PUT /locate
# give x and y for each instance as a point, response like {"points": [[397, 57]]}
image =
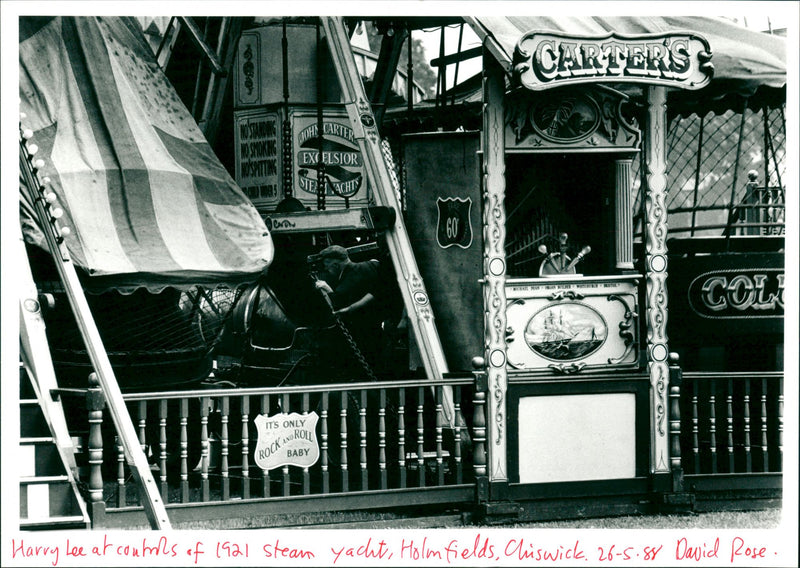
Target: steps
{"points": [[48, 493]]}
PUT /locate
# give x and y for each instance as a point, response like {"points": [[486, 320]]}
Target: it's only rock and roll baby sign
{"points": [[286, 439]]}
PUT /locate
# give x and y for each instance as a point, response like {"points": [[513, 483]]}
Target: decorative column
{"points": [[656, 274], [494, 263], [623, 216], [95, 402]]}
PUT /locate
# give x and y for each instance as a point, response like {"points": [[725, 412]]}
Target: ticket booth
{"points": [[576, 353], [573, 313]]}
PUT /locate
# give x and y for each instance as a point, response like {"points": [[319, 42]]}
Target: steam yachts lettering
{"points": [[738, 293], [343, 162], [547, 60]]}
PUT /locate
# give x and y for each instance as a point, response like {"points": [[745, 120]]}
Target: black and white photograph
{"points": [[400, 283]]}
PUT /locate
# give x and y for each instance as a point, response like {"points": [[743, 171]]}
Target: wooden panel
{"points": [[572, 324], [520, 451], [579, 489], [577, 437]]}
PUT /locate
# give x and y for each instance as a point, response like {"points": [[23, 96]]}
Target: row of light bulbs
{"points": [[45, 192]]}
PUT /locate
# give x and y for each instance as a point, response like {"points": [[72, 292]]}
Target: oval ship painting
{"points": [[566, 332]]}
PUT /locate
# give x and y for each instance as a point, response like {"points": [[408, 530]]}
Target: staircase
{"points": [[48, 491]]}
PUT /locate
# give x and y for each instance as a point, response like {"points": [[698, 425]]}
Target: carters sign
{"points": [[676, 59]]}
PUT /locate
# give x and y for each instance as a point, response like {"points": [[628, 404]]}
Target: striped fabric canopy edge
{"points": [[147, 201]]}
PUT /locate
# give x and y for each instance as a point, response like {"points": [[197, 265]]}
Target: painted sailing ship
{"points": [[562, 339]]}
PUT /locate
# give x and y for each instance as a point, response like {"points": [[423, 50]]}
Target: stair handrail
{"points": [[40, 369]]}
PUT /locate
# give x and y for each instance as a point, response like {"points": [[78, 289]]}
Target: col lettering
{"points": [[738, 294]]}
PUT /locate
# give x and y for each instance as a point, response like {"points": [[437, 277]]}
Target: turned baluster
{"points": [[343, 438], [457, 435], [95, 402], [162, 444], [712, 425], [382, 439], [675, 380], [362, 423], [184, 440], [326, 487], [142, 432], [764, 443], [245, 447], [143, 426], [285, 408], [421, 436], [206, 448], [306, 475], [748, 456], [780, 425], [695, 428], [479, 437], [479, 427], [401, 435], [225, 407], [265, 479], [439, 440], [729, 424], [122, 497]]}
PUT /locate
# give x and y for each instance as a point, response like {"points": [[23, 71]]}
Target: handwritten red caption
{"points": [[171, 550], [395, 548], [524, 550]]}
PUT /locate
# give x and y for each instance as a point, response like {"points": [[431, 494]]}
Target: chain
{"points": [[361, 360], [348, 336], [354, 348]]}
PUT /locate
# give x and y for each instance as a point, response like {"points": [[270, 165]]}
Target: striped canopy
{"points": [[147, 201]]}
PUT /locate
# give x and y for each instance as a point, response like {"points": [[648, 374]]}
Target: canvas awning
{"points": [[147, 201], [747, 64]]}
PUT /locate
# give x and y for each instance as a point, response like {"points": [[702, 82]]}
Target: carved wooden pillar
{"points": [[95, 402], [494, 263], [623, 215], [656, 273], [676, 466], [479, 454]]}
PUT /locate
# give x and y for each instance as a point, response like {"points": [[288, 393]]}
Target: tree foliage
{"points": [[424, 75]]}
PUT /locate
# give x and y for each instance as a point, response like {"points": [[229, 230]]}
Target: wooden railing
{"points": [[731, 422], [372, 436], [389, 442]]}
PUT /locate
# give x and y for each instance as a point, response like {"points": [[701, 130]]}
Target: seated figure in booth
{"points": [[354, 290]]}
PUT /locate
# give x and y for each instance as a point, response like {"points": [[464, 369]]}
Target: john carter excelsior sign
{"points": [[677, 59]]}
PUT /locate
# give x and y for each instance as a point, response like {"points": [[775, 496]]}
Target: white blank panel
{"points": [[38, 501], [577, 437]]}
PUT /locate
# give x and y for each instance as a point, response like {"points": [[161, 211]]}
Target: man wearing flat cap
{"points": [[354, 291]]}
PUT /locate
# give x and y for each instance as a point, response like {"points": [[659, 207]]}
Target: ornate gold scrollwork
{"points": [[626, 329], [567, 369]]}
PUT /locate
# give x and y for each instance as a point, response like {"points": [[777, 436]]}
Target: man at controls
{"points": [[354, 292]]}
